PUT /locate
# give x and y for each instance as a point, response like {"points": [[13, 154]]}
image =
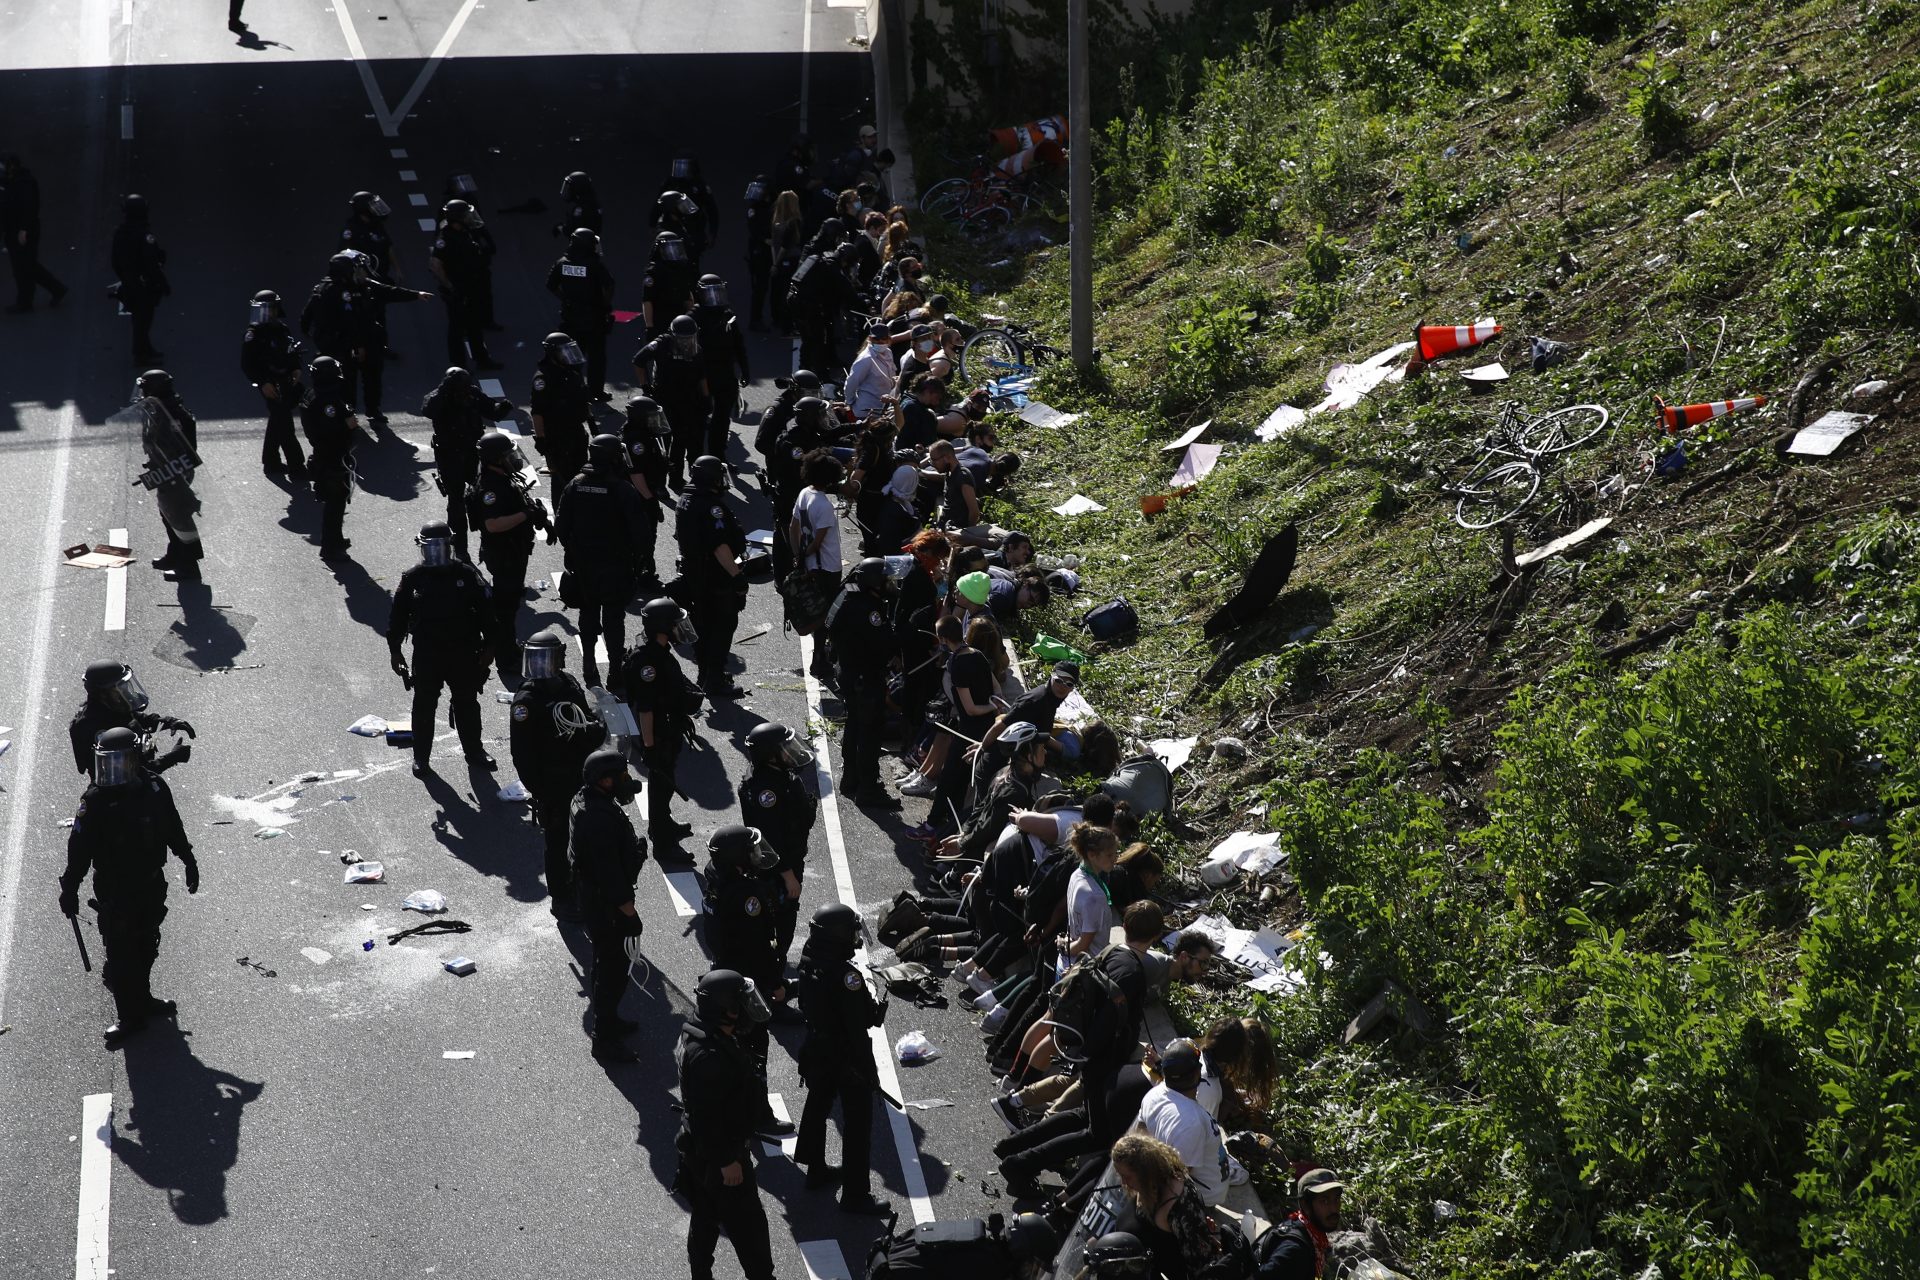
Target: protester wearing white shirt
{"points": [[1171, 1113], [815, 527], [871, 377]]}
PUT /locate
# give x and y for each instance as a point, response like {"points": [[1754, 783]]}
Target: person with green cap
{"points": [[976, 588]]}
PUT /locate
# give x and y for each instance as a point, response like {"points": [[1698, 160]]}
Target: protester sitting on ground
{"points": [[1296, 1249], [969, 687], [922, 416], [1012, 592], [1013, 787], [1037, 707], [933, 930], [1174, 1220], [1171, 1113], [898, 307], [984, 635]]}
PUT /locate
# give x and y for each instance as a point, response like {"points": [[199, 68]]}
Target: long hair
{"points": [[1156, 1165]]}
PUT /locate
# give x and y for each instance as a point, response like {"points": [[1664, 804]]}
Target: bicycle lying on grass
{"points": [[1004, 349], [1507, 476]]}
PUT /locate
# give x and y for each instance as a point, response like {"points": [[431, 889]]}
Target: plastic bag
{"points": [[365, 873], [425, 901], [368, 727], [515, 790], [914, 1047], [1050, 649]]}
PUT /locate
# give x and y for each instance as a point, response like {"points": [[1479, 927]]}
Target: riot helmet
{"points": [[669, 247], [265, 306], [838, 921], [369, 205], [343, 266], [846, 255], [661, 616], [713, 291], [685, 168], [777, 745], [870, 575], [813, 412], [456, 212], [686, 336], [1119, 1255], [154, 382], [610, 762], [805, 379], [738, 848], [325, 369], [110, 683], [497, 449], [607, 453], [708, 472], [116, 758], [563, 348], [645, 416], [544, 655], [577, 186], [723, 996], [1031, 1238], [584, 244], [456, 378], [759, 191], [134, 206], [435, 543]]}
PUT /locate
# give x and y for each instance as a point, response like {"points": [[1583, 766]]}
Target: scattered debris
{"points": [[268, 833], [1827, 433], [316, 955], [101, 556], [931, 1104], [459, 966], [1279, 422], [1198, 462], [257, 967], [425, 901], [1254, 853], [1678, 417], [1077, 505], [1231, 750], [515, 790], [1393, 1002], [1867, 389], [1269, 574], [1173, 752], [1546, 353], [1563, 543], [1187, 437], [365, 873], [368, 727], [457, 1054], [913, 1048]]}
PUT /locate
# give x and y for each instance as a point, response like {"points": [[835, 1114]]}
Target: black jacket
{"points": [[606, 854], [840, 1008], [122, 834], [444, 608], [721, 1096], [784, 808], [547, 756]]}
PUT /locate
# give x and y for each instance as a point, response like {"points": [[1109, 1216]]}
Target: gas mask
{"points": [[762, 858], [626, 789]]}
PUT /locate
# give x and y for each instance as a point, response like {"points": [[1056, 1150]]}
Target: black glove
{"points": [[179, 755], [399, 665], [177, 725], [193, 872], [69, 901]]}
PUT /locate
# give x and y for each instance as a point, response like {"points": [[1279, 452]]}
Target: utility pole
{"points": [[1080, 183]]}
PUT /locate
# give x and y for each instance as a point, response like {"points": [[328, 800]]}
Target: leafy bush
{"points": [[1211, 345], [1655, 103]]}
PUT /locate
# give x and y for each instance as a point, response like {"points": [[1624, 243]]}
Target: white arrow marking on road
{"points": [[96, 1187], [882, 1047], [824, 1260], [390, 119], [433, 62], [117, 587]]}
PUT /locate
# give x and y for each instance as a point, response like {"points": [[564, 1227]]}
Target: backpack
{"points": [[1088, 1008], [965, 1249], [1115, 620], [913, 981], [1271, 1239], [1047, 886]]}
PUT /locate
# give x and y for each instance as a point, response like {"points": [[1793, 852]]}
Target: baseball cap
{"points": [[879, 329], [1180, 1065], [1316, 1182], [1067, 671]]}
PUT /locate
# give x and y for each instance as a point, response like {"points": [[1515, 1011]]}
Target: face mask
{"points": [[926, 348]]}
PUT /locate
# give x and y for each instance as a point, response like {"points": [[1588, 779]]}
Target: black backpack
{"points": [[1047, 887], [1088, 1008], [801, 286]]}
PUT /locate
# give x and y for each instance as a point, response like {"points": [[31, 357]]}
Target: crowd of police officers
{"points": [[609, 494]]}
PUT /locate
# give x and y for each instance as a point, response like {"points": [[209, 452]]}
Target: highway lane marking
{"points": [[806, 61], [824, 1260], [784, 1147], [126, 122], [126, 13], [428, 224], [375, 98], [433, 62], [96, 21], [35, 729], [408, 175], [117, 587], [684, 888], [96, 1187], [398, 153], [416, 199], [882, 1047]]}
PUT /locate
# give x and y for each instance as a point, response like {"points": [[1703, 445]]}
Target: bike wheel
{"points": [[1488, 497], [1561, 430], [990, 354], [987, 220], [944, 198]]}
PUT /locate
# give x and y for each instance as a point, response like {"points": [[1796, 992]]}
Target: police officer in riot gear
{"points": [[442, 603], [580, 205], [686, 204], [460, 413], [141, 264], [159, 384], [837, 1060], [776, 801], [551, 731], [604, 531], [122, 832], [270, 360], [647, 437], [671, 370], [346, 318], [742, 895], [459, 260], [502, 507], [328, 421], [863, 645], [723, 352], [668, 288], [168, 444], [606, 856], [663, 702], [366, 231], [583, 284], [779, 415], [721, 1096], [711, 543], [759, 199], [560, 406], [116, 700]]}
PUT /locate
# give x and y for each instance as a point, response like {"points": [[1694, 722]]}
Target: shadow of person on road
{"points": [[391, 468], [203, 637], [368, 603], [183, 1125], [661, 1009], [493, 837]]}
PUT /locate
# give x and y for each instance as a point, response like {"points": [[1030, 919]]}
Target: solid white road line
{"points": [[428, 224], [96, 32], [375, 98], [96, 1188], [117, 587], [684, 888], [126, 122], [408, 175], [126, 13], [784, 1147], [34, 728], [824, 1260], [416, 199], [910, 1169], [806, 62], [433, 61]]}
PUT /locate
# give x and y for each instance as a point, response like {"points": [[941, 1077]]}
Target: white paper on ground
{"points": [[1254, 852], [1199, 461], [368, 727], [458, 1053], [1173, 752], [1187, 437], [1279, 422], [1828, 432], [1078, 504], [1348, 384], [1495, 372]]}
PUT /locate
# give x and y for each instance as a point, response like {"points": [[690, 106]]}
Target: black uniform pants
{"points": [[607, 981], [715, 614], [726, 402], [817, 352], [788, 913], [759, 273], [142, 309], [457, 468], [865, 697], [606, 616], [369, 373], [855, 1095], [131, 937], [466, 326], [714, 1208], [553, 806], [28, 274], [281, 445], [507, 565], [332, 492], [178, 507], [663, 762], [566, 457], [688, 440], [461, 675], [594, 346], [1112, 1095]]}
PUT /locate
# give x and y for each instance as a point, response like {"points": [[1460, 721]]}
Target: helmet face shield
{"points": [[757, 1011], [571, 355], [127, 693], [259, 312], [113, 766], [686, 346], [762, 857], [682, 167], [541, 661], [434, 552], [379, 208], [683, 632], [794, 754], [673, 250], [757, 193], [713, 295]]}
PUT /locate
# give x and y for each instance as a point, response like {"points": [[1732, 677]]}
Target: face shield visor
{"points": [[757, 193], [756, 1005], [126, 694], [434, 552], [673, 251], [713, 295], [260, 312], [379, 208], [540, 661], [571, 355], [761, 857], [683, 632], [682, 168], [114, 766], [687, 206]]}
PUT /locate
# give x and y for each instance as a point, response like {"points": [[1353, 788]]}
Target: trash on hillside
{"points": [[1039, 414], [1673, 462], [1866, 389], [1198, 462], [515, 790], [1678, 417], [913, 1048], [100, 556], [1078, 504], [1260, 950], [1279, 422], [1114, 620], [1230, 749], [1187, 437], [1484, 377], [1173, 752], [1075, 711], [460, 966], [1052, 649], [1546, 353], [368, 727], [365, 873], [1349, 384], [1153, 504], [1819, 438], [1253, 853], [1264, 581], [1562, 543], [425, 901], [1393, 1002]]}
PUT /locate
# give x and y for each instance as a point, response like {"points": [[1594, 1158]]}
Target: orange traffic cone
{"points": [[1678, 417], [1438, 340], [1031, 134]]}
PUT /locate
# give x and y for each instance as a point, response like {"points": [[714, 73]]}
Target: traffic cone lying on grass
{"points": [[1678, 417], [1437, 340]]}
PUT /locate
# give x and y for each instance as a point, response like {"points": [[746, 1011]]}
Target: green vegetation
{"points": [[1639, 826]]}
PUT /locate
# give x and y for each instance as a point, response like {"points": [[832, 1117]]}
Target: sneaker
{"points": [[986, 1001], [995, 1020], [918, 784], [1011, 1113], [913, 944], [982, 985], [924, 831], [965, 970]]}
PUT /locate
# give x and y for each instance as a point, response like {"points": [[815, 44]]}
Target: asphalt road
{"points": [[302, 1120]]}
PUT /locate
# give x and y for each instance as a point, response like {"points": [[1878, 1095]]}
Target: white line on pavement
{"points": [[96, 1188], [684, 888], [824, 1260], [784, 1147], [433, 61], [409, 175], [806, 61], [117, 586], [126, 13], [375, 98], [428, 224], [882, 1047], [96, 22], [416, 199], [126, 122], [34, 728], [398, 153]]}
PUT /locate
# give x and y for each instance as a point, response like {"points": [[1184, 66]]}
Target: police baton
{"points": [[80, 940]]}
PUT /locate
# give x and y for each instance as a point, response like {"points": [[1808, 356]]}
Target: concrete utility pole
{"points": [[1080, 183]]}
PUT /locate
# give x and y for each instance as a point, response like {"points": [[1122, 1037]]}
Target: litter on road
{"points": [[515, 790], [914, 1047], [365, 873], [460, 1054], [368, 727], [425, 901], [459, 966]]}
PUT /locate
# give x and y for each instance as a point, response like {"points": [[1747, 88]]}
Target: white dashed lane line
{"points": [[116, 616]]}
